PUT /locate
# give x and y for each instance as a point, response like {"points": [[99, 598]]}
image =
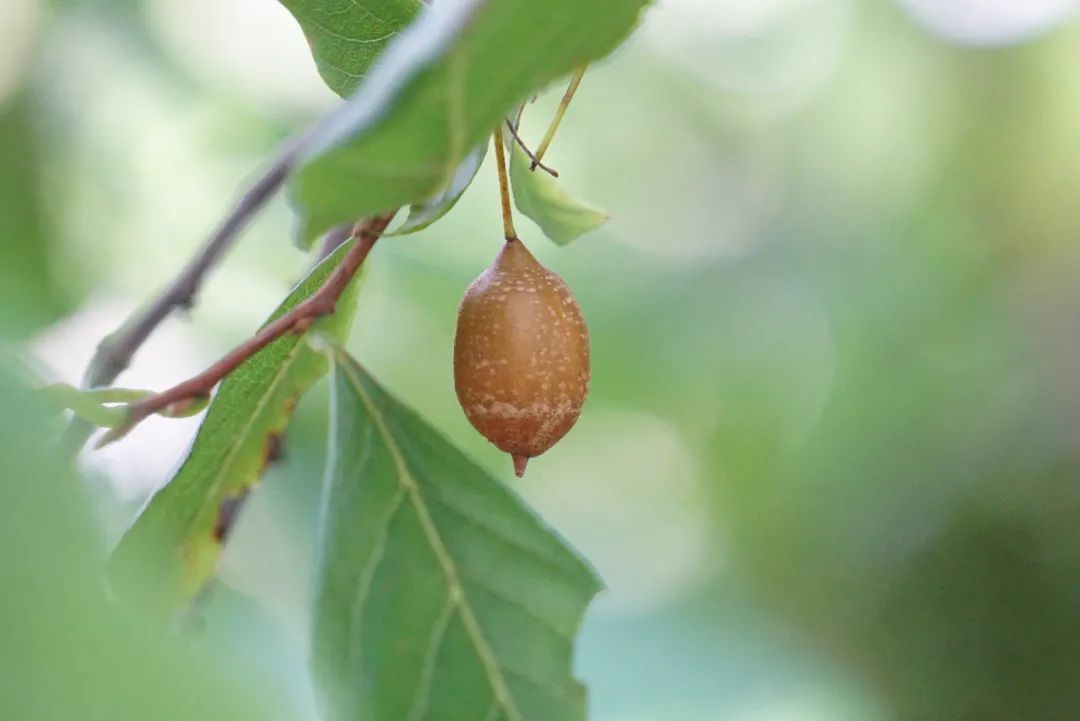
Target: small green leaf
{"points": [[173, 547], [92, 405], [436, 92], [101, 406], [68, 651], [421, 215], [440, 595], [538, 196]]}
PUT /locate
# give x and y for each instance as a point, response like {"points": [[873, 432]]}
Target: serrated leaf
{"points": [[346, 36], [421, 215], [173, 547], [538, 196], [440, 595], [437, 91]]}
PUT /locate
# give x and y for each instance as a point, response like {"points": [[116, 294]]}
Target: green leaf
{"points": [[437, 91], [538, 196], [90, 405], [101, 406], [440, 595], [174, 545], [30, 295], [67, 650], [421, 215], [346, 36]]}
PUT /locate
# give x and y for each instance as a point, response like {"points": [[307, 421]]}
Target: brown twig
{"points": [[432, 33], [298, 320], [115, 352], [535, 161]]}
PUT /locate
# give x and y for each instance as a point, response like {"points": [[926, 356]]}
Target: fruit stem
{"points": [[575, 80], [504, 186]]}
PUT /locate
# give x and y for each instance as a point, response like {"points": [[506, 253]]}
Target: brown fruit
{"points": [[521, 355]]}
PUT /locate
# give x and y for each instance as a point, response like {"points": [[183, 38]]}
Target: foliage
{"points": [[446, 105], [174, 546], [423, 214], [440, 595], [538, 196], [828, 467], [69, 651]]}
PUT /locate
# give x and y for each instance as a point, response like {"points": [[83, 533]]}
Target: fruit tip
{"points": [[519, 464]]}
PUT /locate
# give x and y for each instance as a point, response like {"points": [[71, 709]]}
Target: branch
{"points": [[115, 352], [298, 320], [420, 45], [333, 240]]}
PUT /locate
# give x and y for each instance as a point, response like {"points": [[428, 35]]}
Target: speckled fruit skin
{"points": [[521, 355]]}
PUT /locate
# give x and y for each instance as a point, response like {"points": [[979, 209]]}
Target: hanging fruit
{"points": [[521, 355]]}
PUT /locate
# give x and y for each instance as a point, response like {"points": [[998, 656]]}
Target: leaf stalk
{"points": [[575, 81]]}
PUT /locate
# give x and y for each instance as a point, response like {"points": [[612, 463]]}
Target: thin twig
{"points": [[575, 80], [535, 161], [115, 352], [298, 320], [504, 186], [428, 38]]}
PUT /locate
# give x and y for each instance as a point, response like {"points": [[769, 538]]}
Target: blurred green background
{"points": [[830, 465]]}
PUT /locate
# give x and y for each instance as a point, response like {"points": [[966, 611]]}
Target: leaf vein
{"points": [[431, 532], [519, 604], [357, 41], [367, 576], [536, 554], [423, 685]]}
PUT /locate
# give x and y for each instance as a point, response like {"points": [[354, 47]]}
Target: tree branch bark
{"points": [[298, 320], [116, 350]]}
